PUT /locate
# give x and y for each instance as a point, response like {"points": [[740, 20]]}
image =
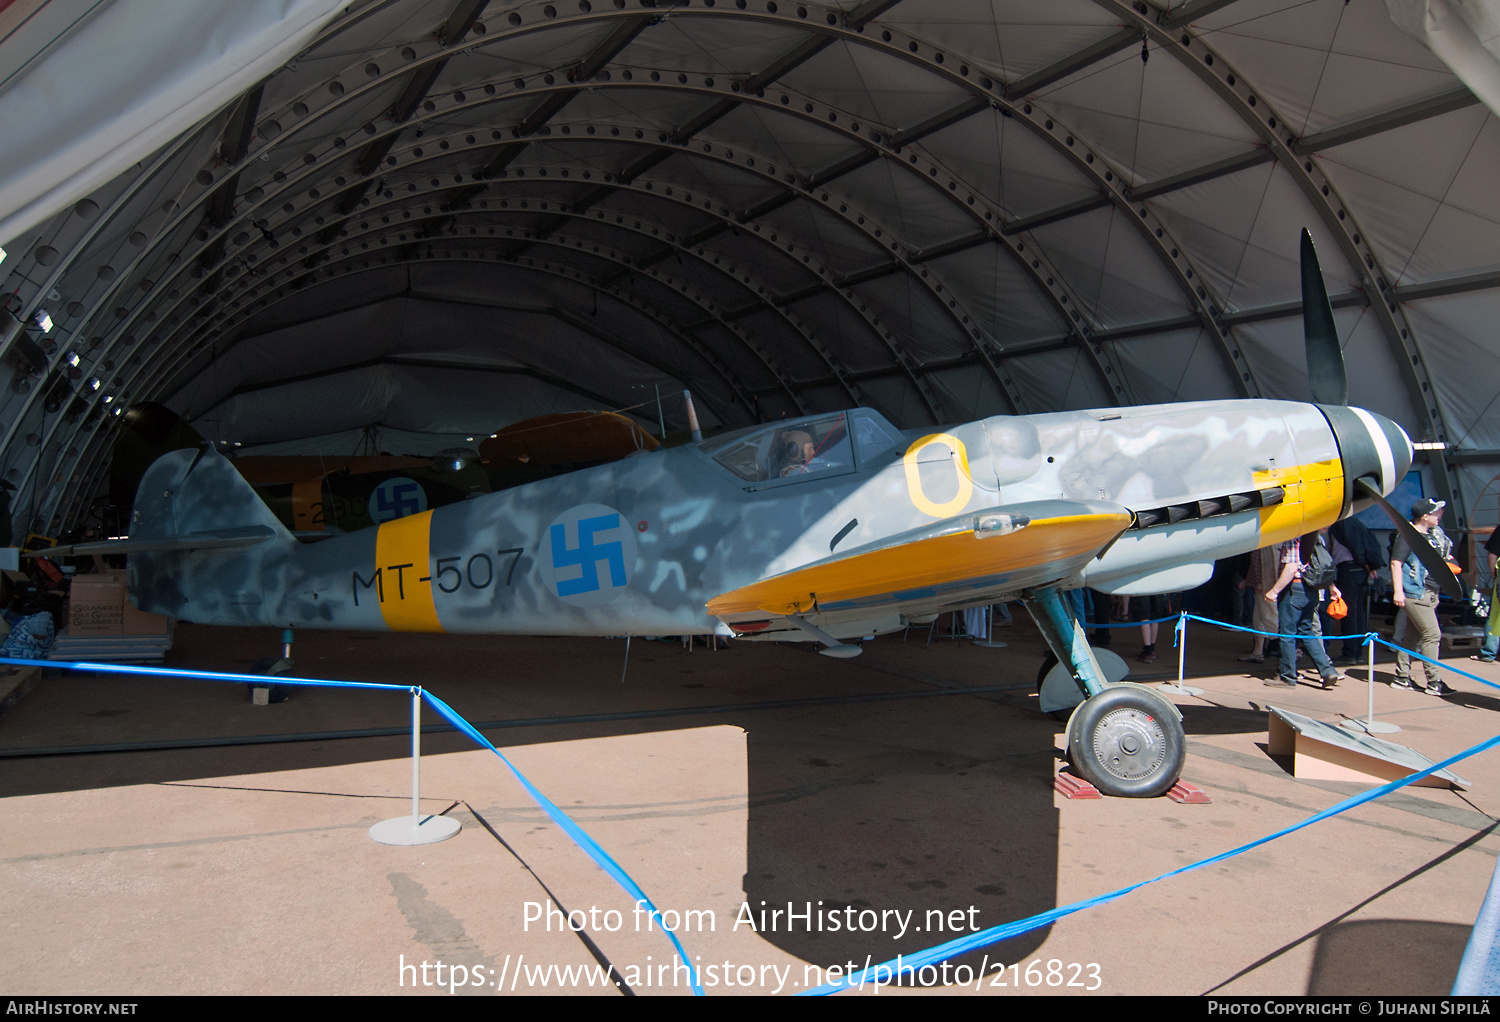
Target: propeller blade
{"points": [[1325, 360], [1435, 565]]}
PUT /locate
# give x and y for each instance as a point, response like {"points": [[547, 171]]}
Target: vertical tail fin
{"points": [[189, 493], [206, 543]]}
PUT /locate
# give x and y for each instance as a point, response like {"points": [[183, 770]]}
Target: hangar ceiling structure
{"points": [[437, 218]]}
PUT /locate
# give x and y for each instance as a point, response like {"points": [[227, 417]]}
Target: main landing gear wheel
{"points": [[1127, 741]]}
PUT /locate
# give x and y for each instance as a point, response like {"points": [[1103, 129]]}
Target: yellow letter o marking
{"points": [[914, 478]]}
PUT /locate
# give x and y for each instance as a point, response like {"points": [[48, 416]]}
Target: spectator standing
{"points": [[1355, 577], [1298, 593], [1259, 577], [1149, 610], [1415, 594], [1491, 644]]}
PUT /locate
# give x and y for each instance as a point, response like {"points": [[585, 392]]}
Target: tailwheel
{"points": [[1127, 741]]}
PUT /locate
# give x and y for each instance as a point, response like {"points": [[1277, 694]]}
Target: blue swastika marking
{"points": [[587, 555], [396, 498]]}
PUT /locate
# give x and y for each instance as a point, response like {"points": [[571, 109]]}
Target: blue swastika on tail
{"points": [[587, 555]]}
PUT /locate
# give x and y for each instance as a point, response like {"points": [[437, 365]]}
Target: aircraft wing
{"points": [[213, 539], [1014, 546]]}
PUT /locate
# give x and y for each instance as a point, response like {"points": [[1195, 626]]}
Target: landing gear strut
{"points": [[1124, 739]]}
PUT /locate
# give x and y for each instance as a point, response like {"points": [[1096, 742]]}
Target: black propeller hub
{"points": [[1370, 446]]}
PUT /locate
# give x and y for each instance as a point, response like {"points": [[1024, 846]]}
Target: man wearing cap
{"points": [[1415, 593]]}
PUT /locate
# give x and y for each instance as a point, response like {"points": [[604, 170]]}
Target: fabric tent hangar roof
{"points": [[407, 224]]}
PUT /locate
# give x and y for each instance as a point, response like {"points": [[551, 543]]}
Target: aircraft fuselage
{"points": [[643, 545]]}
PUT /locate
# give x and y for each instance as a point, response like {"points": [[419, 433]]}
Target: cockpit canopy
{"points": [[797, 449]]}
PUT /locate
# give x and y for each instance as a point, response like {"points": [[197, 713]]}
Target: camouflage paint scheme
{"points": [[546, 558]]}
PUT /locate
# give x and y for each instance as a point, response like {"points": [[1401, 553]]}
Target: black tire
{"points": [[1127, 741]]}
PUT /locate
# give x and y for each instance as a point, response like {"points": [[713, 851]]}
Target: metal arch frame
{"points": [[709, 259], [126, 196], [1048, 283], [569, 273], [902, 357], [293, 267], [186, 342], [872, 229], [1039, 275], [1250, 105], [238, 221], [188, 262], [578, 323], [663, 191], [444, 53], [853, 217], [834, 23], [405, 362]]}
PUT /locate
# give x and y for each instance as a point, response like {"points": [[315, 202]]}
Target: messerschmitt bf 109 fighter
{"points": [[823, 529]]}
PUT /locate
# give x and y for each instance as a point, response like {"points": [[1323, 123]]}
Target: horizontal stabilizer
{"points": [[213, 539]]}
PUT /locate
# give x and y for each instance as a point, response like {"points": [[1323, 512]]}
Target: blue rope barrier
{"points": [[904, 964], [894, 968], [1365, 639], [973, 942], [172, 672], [573, 830]]}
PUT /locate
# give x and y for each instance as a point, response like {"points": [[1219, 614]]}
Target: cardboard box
{"points": [[100, 605], [96, 605]]}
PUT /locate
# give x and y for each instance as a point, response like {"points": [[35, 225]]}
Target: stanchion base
{"points": [[987, 644], [403, 830], [1173, 689], [1370, 727]]}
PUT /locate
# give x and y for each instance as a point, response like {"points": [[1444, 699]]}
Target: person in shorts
{"points": [[1148, 610]]}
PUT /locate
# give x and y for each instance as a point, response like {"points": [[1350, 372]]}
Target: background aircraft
{"points": [[823, 528], [331, 493]]}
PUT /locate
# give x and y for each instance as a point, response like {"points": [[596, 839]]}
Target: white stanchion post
{"points": [[413, 830], [1181, 650], [1179, 688], [1370, 725], [416, 756], [989, 640]]}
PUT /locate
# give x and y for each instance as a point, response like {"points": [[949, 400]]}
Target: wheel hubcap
{"points": [[1129, 744]]}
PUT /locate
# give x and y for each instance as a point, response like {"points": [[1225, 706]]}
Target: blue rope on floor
{"points": [[890, 972], [580, 836]]}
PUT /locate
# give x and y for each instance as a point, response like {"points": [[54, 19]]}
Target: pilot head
{"points": [[795, 448]]}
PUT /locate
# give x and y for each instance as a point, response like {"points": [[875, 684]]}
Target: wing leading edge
{"points": [[1017, 545]]}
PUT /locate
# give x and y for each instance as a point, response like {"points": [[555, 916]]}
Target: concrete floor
{"points": [[755, 774]]}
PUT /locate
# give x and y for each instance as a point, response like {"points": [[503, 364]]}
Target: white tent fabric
{"points": [[1465, 35], [435, 219], [125, 80]]}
